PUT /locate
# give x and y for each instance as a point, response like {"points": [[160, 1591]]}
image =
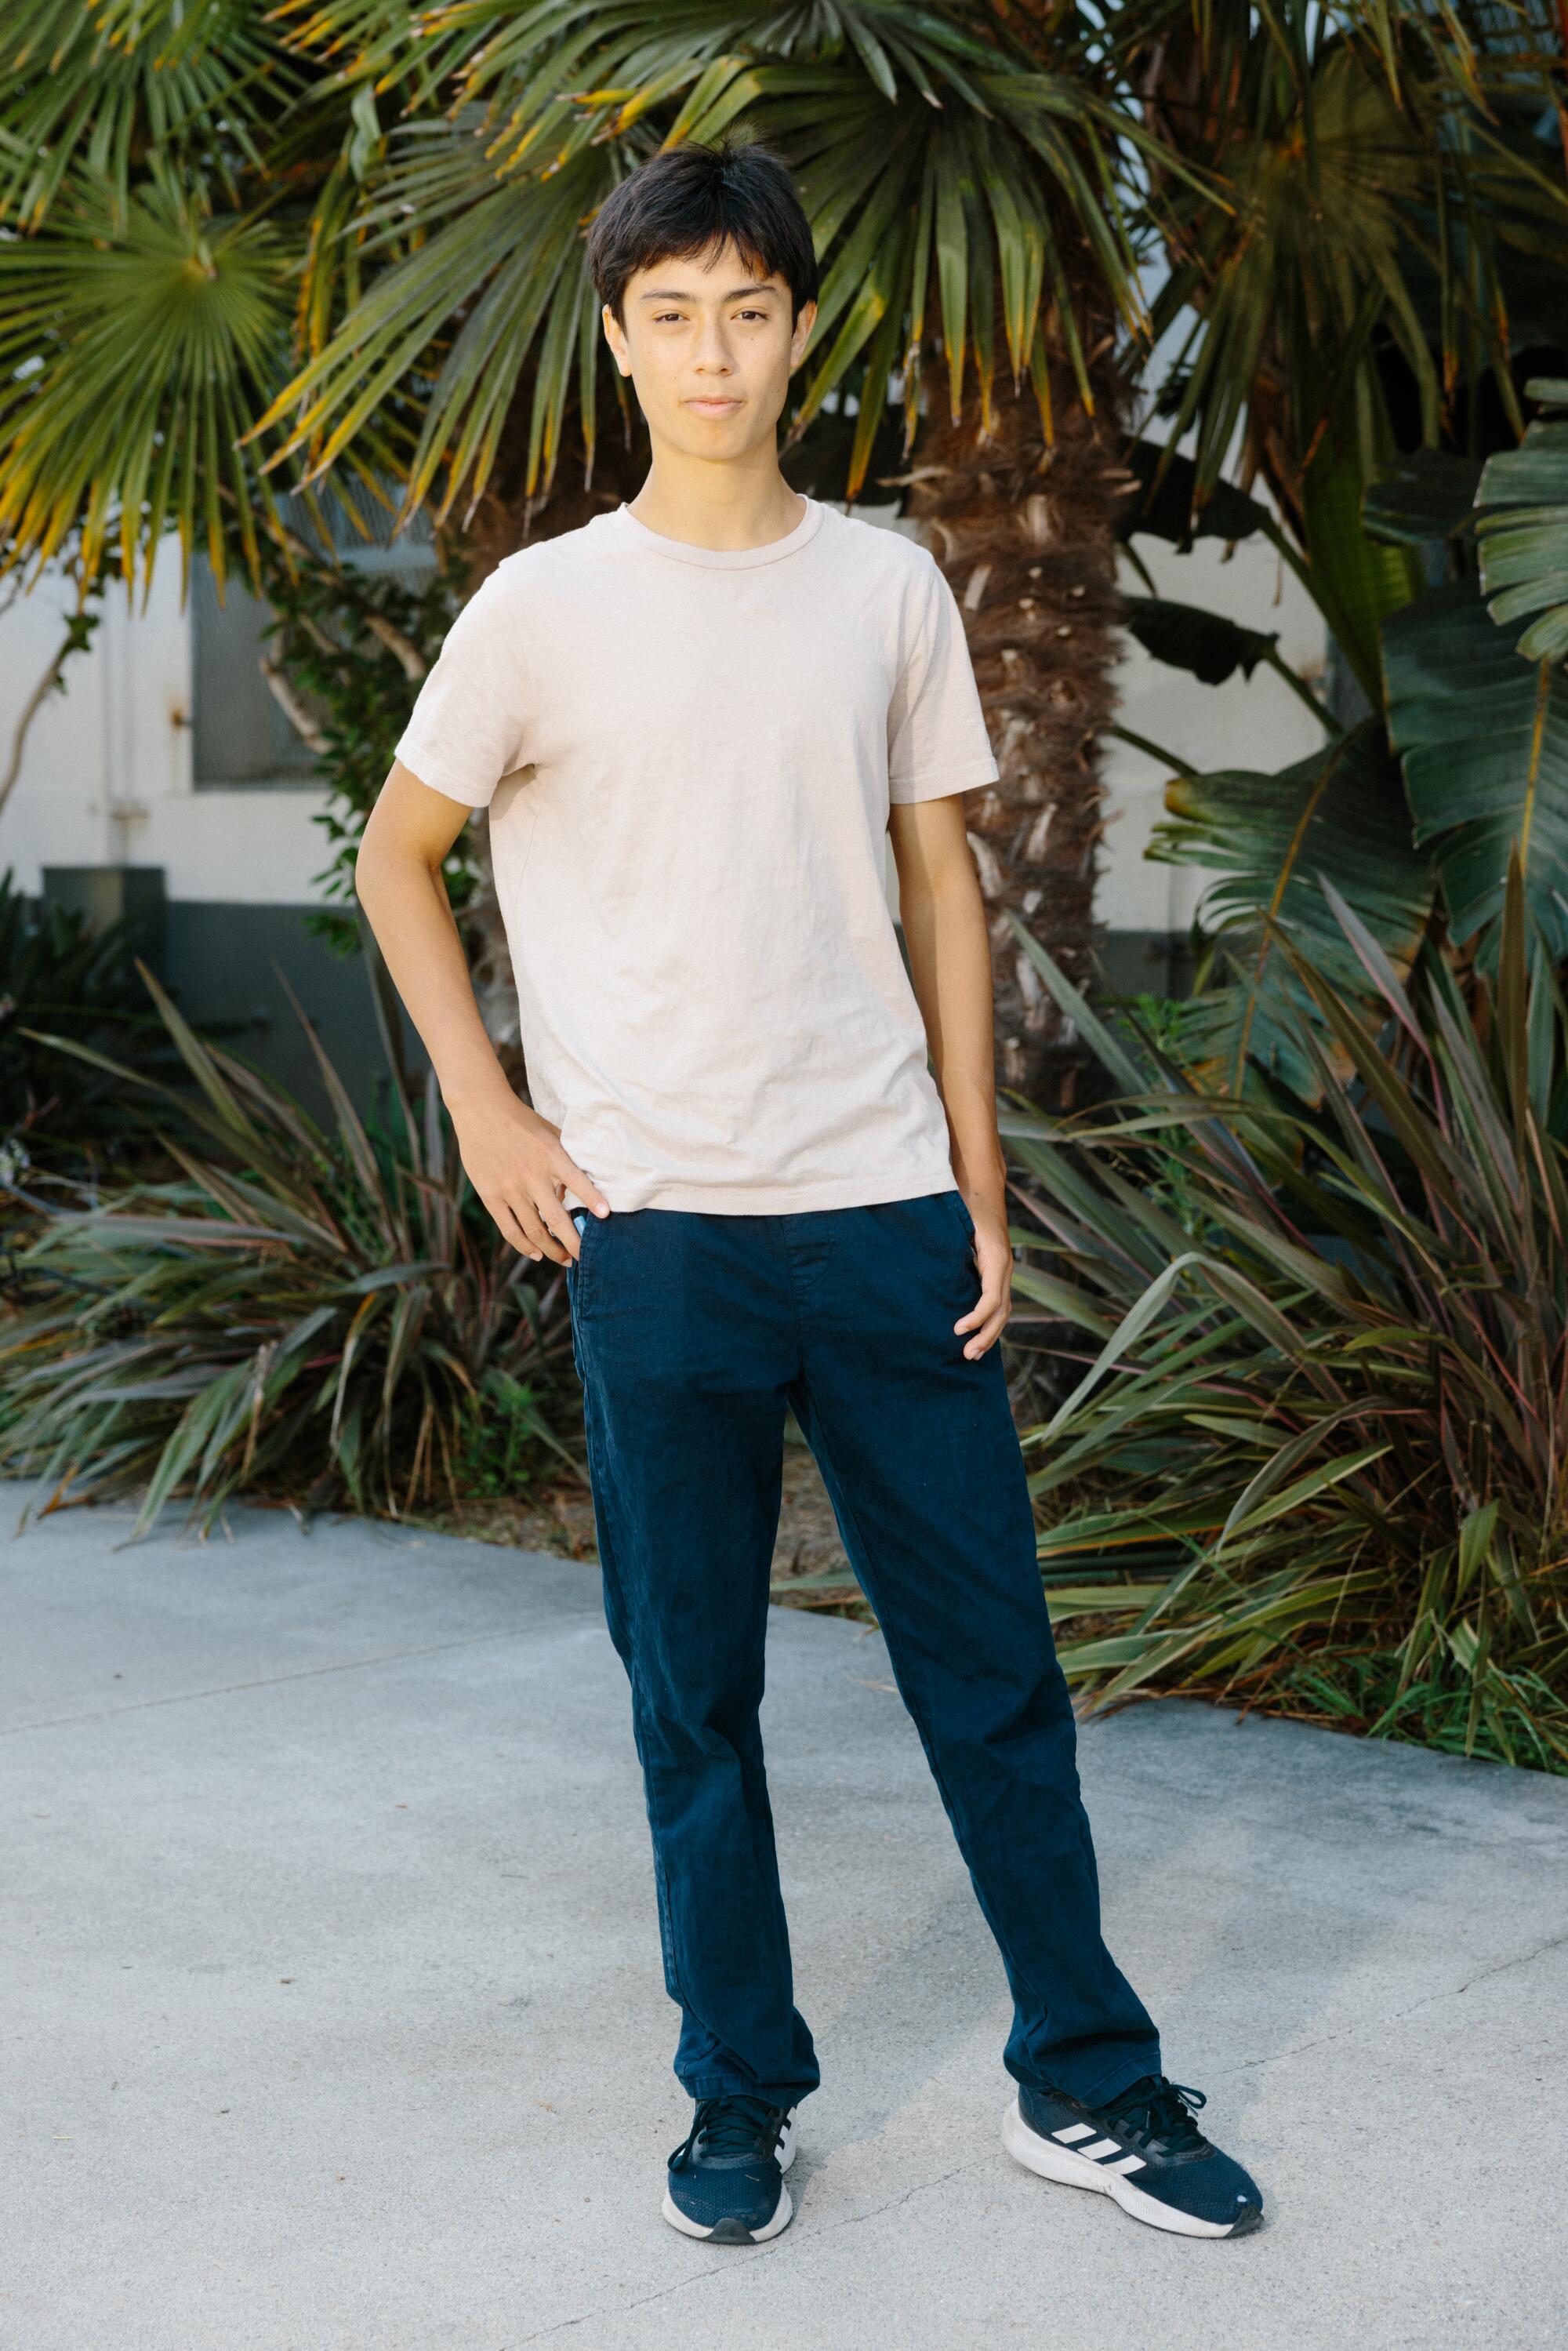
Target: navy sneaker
{"points": [[1143, 2148], [727, 2177]]}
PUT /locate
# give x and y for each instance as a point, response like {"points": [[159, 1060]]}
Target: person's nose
{"points": [[713, 357]]}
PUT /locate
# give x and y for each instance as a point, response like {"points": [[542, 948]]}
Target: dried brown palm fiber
{"points": [[1025, 532]]}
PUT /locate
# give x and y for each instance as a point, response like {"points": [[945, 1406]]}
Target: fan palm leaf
{"points": [[93, 88], [136, 342], [953, 185]]}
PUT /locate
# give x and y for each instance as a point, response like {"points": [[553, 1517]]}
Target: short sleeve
{"points": [[471, 721], [936, 739]]}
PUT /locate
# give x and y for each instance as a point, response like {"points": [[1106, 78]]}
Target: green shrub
{"points": [[508, 1440], [318, 1315], [59, 972], [1323, 1409]]}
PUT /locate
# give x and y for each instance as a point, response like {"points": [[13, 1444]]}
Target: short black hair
{"points": [[691, 199]]}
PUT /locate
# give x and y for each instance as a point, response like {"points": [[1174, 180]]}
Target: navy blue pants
{"points": [[692, 1333]]}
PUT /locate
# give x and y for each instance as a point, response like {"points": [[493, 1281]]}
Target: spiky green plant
{"points": [[309, 1311], [59, 970], [1322, 1415]]}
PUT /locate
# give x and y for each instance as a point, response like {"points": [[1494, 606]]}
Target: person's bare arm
{"points": [[944, 919], [513, 1157]]}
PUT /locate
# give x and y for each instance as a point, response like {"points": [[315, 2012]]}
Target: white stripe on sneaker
{"points": [[1074, 2131], [1101, 2147], [1051, 2160], [1128, 2162]]}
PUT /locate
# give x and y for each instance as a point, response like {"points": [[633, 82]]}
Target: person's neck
{"points": [[725, 508]]}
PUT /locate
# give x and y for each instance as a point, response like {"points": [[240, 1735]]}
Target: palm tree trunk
{"points": [[1024, 531]]}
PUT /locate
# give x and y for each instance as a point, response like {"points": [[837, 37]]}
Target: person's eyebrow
{"points": [[736, 294]]}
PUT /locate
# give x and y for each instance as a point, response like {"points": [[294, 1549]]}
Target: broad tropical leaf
{"points": [[1358, 580], [1163, 499], [1484, 739], [1524, 531], [1426, 497], [1210, 645], [1338, 816]]}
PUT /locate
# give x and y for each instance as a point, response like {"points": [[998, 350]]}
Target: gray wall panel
{"points": [[229, 963]]}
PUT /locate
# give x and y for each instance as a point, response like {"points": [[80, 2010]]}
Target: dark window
{"points": [[240, 735]]}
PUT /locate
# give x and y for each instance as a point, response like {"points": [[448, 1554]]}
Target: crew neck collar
{"points": [[719, 559]]}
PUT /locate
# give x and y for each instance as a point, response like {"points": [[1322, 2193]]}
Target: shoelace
{"points": [[1159, 2108], [733, 2126]]}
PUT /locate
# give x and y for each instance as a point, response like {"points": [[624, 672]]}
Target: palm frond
{"points": [[136, 341], [932, 153], [91, 90]]}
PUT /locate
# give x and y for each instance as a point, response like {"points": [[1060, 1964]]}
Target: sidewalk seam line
{"points": [[267, 1681]]}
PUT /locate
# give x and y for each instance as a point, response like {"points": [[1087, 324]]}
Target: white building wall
{"points": [[106, 774]]}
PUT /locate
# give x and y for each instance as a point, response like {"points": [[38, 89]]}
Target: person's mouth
{"points": [[719, 405]]}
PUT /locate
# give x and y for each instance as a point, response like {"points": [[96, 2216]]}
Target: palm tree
{"points": [[1383, 186], [1359, 327], [422, 199]]}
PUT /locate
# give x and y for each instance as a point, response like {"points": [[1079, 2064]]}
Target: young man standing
{"points": [[693, 723]]}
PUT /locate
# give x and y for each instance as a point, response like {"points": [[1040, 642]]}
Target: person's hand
{"points": [[515, 1164], [994, 1257]]}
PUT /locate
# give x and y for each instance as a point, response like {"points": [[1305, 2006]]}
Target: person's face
{"points": [[710, 347]]}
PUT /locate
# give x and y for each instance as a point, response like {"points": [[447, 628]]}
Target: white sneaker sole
{"points": [[782, 2214], [1049, 2161]]}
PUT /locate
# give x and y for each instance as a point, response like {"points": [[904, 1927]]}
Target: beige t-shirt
{"points": [[687, 756]]}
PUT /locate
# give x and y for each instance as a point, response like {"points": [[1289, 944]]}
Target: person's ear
{"points": [[801, 333], [615, 336]]}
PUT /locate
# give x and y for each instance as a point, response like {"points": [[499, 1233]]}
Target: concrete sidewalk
{"points": [[333, 2015]]}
